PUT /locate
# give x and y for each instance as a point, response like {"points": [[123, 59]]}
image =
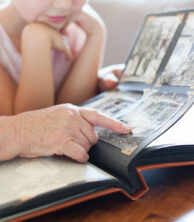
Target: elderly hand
{"points": [[62, 130], [109, 76]]}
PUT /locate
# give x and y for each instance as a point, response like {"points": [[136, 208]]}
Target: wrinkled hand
{"points": [[109, 76], [62, 130]]}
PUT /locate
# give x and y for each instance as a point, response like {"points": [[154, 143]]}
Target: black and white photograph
{"points": [[153, 111], [180, 68], [151, 48], [116, 103]]}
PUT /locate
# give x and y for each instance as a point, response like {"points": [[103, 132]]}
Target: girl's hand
{"points": [[46, 33], [89, 21], [109, 77]]}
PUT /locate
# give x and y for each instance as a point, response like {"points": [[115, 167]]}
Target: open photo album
{"points": [[154, 97]]}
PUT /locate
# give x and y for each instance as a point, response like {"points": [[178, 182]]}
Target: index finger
{"points": [[97, 118], [67, 48]]}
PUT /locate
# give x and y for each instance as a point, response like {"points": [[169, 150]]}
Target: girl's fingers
{"points": [[67, 49], [101, 86], [108, 82], [111, 69], [117, 72], [61, 43], [110, 77]]}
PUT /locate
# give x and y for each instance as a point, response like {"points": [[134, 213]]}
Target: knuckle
{"points": [[67, 111], [60, 111]]}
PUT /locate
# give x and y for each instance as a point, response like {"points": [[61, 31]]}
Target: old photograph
{"points": [[180, 68], [152, 112], [116, 103], [151, 48]]}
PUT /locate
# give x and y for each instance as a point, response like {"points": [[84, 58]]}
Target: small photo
{"points": [[151, 47]]}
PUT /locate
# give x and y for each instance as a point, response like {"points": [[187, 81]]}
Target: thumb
{"points": [[107, 82], [61, 43], [67, 48]]}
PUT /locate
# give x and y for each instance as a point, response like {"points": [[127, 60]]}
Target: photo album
{"points": [[155, 97]]}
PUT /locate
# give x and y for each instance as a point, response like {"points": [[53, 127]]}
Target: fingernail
{"points": [[127, 128]]}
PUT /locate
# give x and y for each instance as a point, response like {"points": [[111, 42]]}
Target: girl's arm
{"points": [[7, 93], [82, 81], [36, 88]]}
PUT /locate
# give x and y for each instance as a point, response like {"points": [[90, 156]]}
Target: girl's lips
{"points": [[56, 19]]}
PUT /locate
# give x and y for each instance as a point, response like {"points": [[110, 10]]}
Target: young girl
{"points": [[50, 53]]}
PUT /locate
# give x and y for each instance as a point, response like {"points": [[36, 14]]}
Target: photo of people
{"points": [[151, 48], [180, 68], [155, 109]]}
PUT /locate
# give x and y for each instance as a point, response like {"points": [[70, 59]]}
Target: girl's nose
{"points": [[62, 3]]}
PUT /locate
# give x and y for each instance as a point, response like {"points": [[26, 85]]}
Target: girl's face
{"points": [[55, 13]]}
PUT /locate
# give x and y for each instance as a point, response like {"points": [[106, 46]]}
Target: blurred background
{"points": [[123, 19], [3, 2]]}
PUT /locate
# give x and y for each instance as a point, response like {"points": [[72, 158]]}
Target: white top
{"points": [[10, 58]]}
